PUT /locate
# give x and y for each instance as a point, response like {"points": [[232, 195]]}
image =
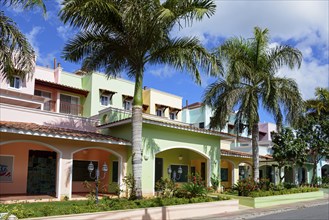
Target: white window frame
{"points": [[173, 113], [20, 81], [109, 100], [130, 104], [161, 110]]}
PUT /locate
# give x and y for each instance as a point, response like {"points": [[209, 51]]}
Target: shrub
{"points": [[246, 186], [282, 192], [131, 186], [195, 187], [264, 184], [288, 185], [215, 182], [166, 187]]}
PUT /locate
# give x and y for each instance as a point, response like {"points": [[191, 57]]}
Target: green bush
{"points": [[195, 187], [246, 186], [283, 192], [166, 187]]}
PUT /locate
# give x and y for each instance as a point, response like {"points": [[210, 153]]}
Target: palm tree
{"points": [[319, 105], [250, 81], [16, 53], [126, 35]]}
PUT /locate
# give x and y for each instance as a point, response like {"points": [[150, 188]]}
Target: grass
{"points": [[41, 209]]}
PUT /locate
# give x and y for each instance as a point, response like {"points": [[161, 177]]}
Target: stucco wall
{"points": [[20, 151]]}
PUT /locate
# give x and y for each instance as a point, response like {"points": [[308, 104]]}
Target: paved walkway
{"points": [[248, 213]]}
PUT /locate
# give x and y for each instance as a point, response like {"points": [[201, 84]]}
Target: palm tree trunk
{"points": [[137, 123], [255, 151]]}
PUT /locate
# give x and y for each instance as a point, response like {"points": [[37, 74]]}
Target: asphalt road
{"points": [[320, 212]]}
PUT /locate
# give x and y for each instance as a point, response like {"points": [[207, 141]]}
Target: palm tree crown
{"points": [[119, 36], [250, 81], [16, 53]]}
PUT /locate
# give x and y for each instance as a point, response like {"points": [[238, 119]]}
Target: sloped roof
{"points": [[62, 87], [241, 154], [56, 132]]}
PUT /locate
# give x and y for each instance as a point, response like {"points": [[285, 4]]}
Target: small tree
{"points": [[288, 150], [315, 133]]}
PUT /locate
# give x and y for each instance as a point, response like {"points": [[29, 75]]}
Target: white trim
{"points": [[59, 164], [120, 165], [51, 135]]}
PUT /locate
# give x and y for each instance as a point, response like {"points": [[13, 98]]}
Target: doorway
{"points": [[41, 177]]}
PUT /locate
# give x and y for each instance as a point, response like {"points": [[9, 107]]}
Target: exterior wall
{"points": [[267, 128], [66, 149], [70, 79], [158, 139], [101, 157], [153, 97], [20, 151], [232, 163], [98, 81], [44, 74], [27, 86], [21, 114]]}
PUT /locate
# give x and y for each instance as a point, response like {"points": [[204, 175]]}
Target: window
{"points": [[179, 178], [15, 82], [69, 105], [48, 104], [127, 105], [105, 100], [115, 171], [80, 170], [201, 125], [172, 115], [224, 174], [159, 112]]}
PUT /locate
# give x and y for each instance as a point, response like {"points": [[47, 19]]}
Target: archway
{"points": [[34, 166], [190, 161], [267, 172], [110, 181], [227, 173]]}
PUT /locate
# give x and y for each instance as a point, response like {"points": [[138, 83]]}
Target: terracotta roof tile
{"points": [[32, 127], [241, 154]]}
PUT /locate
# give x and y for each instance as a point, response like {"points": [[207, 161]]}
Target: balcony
{"points": [[72, 109]]}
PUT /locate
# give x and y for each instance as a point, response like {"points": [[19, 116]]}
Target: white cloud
{"points": [[65, 32], [303, 24], [32, 38], [163, 71]]}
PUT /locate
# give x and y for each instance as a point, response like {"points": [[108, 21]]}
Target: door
{"points": [[203, 170], [158, 169], [41, 176]]}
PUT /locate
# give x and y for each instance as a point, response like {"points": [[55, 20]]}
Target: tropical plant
{"points": [[288, 150], [16, 53], [249, 81], [320, 105], [118, 36], [195, 187], [314, 131]]}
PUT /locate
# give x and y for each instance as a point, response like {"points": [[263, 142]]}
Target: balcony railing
{"points": [[68, 108]]}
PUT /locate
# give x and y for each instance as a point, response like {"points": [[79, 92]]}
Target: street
{"points": [[315, 212]]}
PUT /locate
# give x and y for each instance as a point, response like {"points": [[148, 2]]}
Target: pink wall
{"points": [[92, 155], [20, 151], [22, 114]]}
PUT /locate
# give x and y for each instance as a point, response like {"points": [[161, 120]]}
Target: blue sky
{"points": [[300, 23]]}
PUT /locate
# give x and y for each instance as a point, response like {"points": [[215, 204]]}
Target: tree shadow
{"points": [[150, 147]]}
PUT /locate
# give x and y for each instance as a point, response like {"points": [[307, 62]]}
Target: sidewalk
{"points": [[247, 212]]}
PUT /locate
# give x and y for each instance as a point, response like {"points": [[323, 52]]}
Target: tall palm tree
{"points": [[117, 36], [16, 53], [250, 81]]}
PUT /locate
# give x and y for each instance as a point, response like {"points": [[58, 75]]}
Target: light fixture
{"points": [[180, 157], [169, 170], [175, 175], [242, 172], [146, 157], [96, 177]]}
